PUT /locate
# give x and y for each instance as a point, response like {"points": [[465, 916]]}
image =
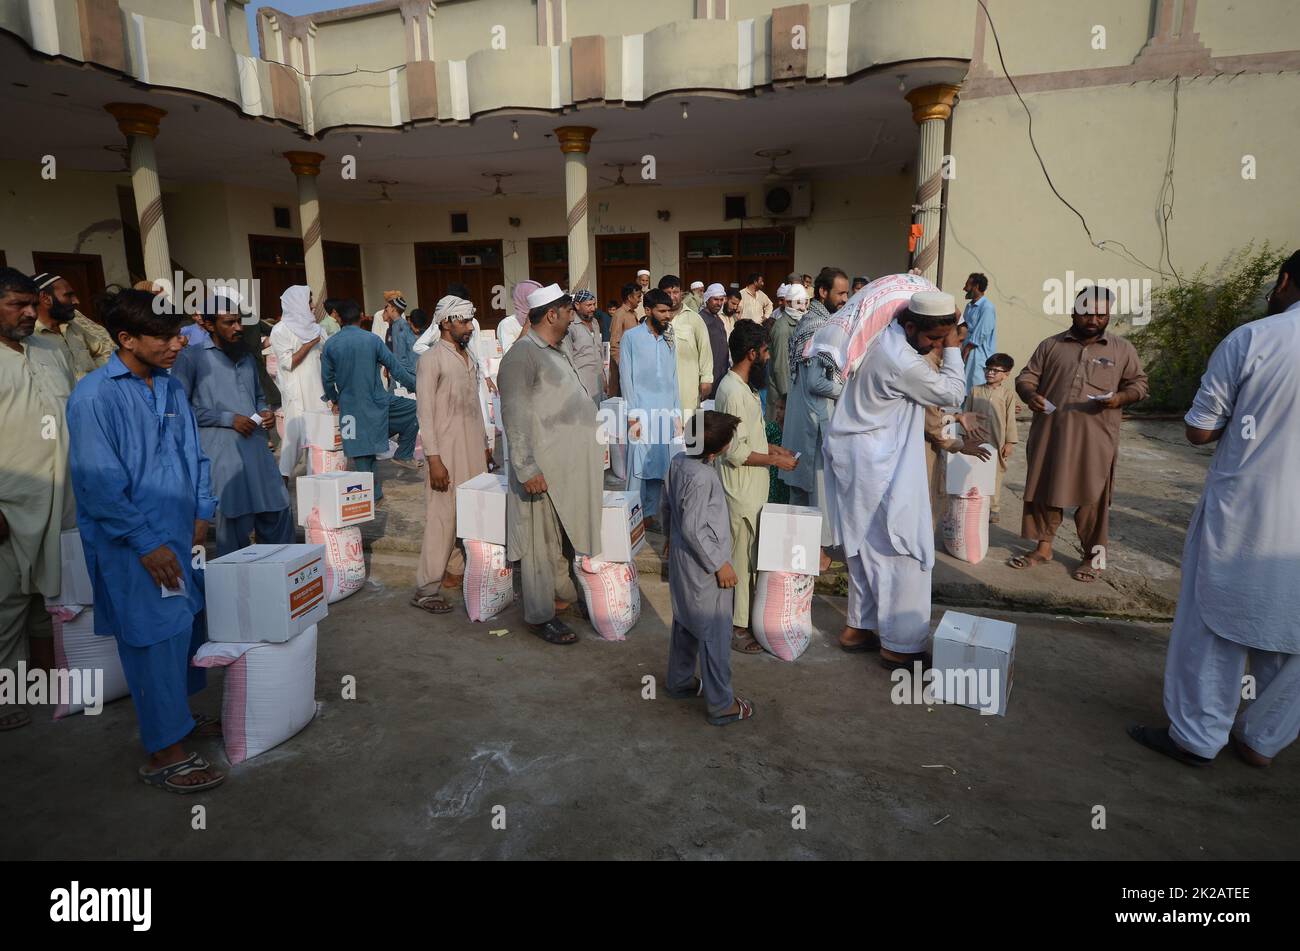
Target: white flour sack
{"points": [[78, 648], [321, 461], [966, 526], [612, 595], [345, 562], [781, 617], [489, 583], [270, 691]]}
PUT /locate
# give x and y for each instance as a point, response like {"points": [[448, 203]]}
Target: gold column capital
{"points": [[136, 118], [575, 138], [932, 102], [305, 163]]}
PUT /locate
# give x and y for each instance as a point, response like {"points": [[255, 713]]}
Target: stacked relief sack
{"points": [[79, 653], [965, 524], [331, 506], [263, 605], [608, 581], [789, 560], [489, 584]]}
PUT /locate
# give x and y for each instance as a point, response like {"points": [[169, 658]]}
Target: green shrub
{"points": [[1188, 321]]}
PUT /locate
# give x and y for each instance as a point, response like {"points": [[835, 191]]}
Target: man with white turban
{"points": [[715, 295], [295, 342], [783, 324], [456, 444]]}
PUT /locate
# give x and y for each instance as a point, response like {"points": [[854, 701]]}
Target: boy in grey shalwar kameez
{"points": [[700, 577]]}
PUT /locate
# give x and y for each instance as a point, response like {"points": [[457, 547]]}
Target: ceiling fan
{"points": [[498, 191], [620, 182]]}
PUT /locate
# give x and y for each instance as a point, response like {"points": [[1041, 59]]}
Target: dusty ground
{"points": [[451, 721]]}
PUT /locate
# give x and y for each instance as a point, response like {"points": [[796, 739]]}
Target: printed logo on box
{"points": [[307, 597]]}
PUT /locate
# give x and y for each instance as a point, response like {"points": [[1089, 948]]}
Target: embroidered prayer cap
{"points": [[932, 304], [695, 284]]}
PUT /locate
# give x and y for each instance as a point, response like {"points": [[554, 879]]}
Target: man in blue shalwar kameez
{"points": [[368, 414], [220, 377], [647, 368], [982, 325], [143, 503]]}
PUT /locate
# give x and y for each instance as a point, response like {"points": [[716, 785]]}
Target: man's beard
{"points": [[1274, 303], [463, 342], [758, 375], [970, 295], [828, 303], [1089, 332], [62, 313], [660, 327]]}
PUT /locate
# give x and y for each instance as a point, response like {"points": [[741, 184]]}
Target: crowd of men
{"points": [[141, 429]]}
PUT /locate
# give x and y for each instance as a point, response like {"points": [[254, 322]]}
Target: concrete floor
{"points": [[451, 721]]}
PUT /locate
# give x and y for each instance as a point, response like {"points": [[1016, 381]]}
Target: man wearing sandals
{"points": [[1239, 598], [454, 439], [1076, 383], [35, 501], [144, 500], [556, 465]]}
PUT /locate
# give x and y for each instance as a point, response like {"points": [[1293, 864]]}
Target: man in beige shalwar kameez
{"points": [[36, 500], [556, 465], [1076, 383], [456, 446]]}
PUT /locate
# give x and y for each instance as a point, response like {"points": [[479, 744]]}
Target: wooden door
{"points": [[729, 257], [343, 271], [85, 272], [277, 265], [476, 264], [548, 260], [618, 258]]}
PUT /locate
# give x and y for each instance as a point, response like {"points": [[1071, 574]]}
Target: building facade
{"points": [[407, 143]]}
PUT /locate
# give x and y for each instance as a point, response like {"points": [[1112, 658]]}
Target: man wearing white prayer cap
{"points": [[875, 466], [695, 299], [715, 295], [555, 464], [785, 320], [643, 281]]}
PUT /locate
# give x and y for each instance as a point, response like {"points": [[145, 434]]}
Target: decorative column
{"points": [[575, 143], [306, 167], [139, 123], [931, 109]]}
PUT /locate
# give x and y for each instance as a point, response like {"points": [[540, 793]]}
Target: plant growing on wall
{"points": [[1188, 321]]}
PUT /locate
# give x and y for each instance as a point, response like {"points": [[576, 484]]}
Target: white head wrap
{"points": [[452, 308], [295, 312], [715, 290]]}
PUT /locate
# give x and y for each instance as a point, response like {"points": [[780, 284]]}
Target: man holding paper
{"points": [[220, 377], [1076, 383], [144, 499]]}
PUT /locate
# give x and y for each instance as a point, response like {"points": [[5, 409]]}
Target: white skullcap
{"points": [[715, 290], [932, 304], [783, 290], [545, 295], [695, 284], [796, 292], [643, 271]]}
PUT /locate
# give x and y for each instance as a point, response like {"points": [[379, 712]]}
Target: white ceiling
{"points": [[863, 127]]}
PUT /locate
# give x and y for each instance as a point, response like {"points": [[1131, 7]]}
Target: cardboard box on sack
{"points": [[322, 430], [265, 593], [343, 498], [622, 531], [966, 473], [789, 539], [481, 508], [611, 421], [75, 584], [974, 662]]}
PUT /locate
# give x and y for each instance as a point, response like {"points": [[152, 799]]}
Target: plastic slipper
{"points": [[745, 644], [194, 763], [688, 693], [205, 725], [554, 632], [431, 603], [926, 662], [1159, 740], [870, 644], [746, 711]]}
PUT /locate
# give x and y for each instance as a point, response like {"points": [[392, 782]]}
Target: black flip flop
{"points": [[925, 660], [554, 632], [1160, 741], [873, 644], [690, 693]]}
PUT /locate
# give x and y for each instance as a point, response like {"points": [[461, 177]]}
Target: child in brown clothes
{"points": [[995, 401]]}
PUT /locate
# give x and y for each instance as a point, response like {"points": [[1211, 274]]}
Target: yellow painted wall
{"points": [[602, 18], [1042, 36], [373, 42], [462, 28]]}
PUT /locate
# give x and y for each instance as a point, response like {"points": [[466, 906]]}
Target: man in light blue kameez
{"points": [[221, 380], [144, 500], [368, 414], [982, 324], [647, 368]]}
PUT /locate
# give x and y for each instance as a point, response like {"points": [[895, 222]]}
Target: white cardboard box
{"points": [[974, 662], [266, 592], [481, 508], [622, 531], [707, 405], [611, 421], [967, 472], [75, 585], [322, 430], [344, 498], [789, 539]]}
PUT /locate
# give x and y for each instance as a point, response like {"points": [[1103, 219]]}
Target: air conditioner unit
{"points": [[787, 199], [470, 260]]}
